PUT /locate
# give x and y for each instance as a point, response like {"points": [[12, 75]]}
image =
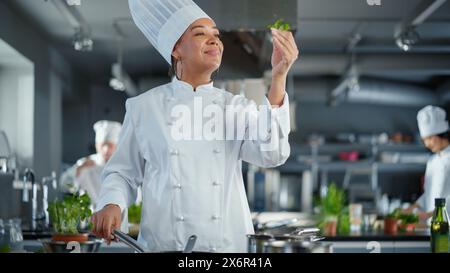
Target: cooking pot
{"points": [[91, 246], [256, 242]]}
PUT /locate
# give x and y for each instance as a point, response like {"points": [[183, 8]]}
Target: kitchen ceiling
{"points": [[323, 28]]}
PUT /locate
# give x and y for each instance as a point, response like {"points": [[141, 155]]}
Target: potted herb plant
{"points": [[331, 207], [66, 217], [391, 222]]}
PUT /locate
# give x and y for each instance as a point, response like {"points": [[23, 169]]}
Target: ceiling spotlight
{"points": [[116, 84], [407, 38], [82, 42]]}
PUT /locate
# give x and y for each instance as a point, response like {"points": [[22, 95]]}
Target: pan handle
{"points": [[128, 241], [306, 231], [277, 224], [190, 244]]}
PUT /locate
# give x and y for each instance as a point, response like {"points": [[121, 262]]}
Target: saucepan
{"points": [[126, 239], [301, 237]]}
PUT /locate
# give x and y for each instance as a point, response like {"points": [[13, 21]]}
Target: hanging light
{"points": [[120, 80], [117, 84], [82, 41], [407, 38]]}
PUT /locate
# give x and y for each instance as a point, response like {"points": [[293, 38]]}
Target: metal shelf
{"points": [[304, 149], [343, 166], [401, 167], [294, 167]]}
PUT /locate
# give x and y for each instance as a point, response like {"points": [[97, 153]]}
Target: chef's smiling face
{"points": [[200, 47]]}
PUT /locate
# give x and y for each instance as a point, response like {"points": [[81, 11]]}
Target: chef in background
{"points": [[434, 131], [86, 173]]}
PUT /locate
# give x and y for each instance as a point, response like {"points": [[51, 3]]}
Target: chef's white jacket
{"points": [[189, 186], [437, 180]]}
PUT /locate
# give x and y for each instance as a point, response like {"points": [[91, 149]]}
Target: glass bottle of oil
{"points": [[439, 227]]}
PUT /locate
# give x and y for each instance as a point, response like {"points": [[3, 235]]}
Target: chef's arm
{"points": [[68, 183], [424, 215], [271, 147], [418, 209], [121, 176], [412, 208], [277, 91]]}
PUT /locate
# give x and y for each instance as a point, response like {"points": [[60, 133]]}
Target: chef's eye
{"points": [[218, 35], [199, 34]]}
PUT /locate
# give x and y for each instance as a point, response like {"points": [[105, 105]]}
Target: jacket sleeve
{"points": [[421, 201], [446, 187], [68, 183], [271, 146], [123, 173]]}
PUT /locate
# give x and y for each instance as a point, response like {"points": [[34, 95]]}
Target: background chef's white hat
{"points": [[106, 130], [163, 22], [432, 121]]}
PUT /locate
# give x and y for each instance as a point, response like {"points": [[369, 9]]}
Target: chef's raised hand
{"points": [[105, 221], [285, 52]]}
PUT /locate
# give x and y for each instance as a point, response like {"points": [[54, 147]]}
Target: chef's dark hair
{"points": [[172, 68], [445, 135]]}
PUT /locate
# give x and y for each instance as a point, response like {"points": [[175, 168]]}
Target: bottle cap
{"points": [[439, 202]]}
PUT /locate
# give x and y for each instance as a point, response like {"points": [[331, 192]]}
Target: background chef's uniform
{"points": [[89, 179], [432, 121]]}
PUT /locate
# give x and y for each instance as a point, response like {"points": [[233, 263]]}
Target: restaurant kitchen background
{"points": [[363, 73]]}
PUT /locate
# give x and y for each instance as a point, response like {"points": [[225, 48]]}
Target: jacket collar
{"points": [[444, 152], [183, 88]]}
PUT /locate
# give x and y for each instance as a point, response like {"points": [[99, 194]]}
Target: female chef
{"points": [[192, 180]]}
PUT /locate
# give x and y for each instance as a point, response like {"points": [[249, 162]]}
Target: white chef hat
{"points": [[432, 121], [106, 130], [163, 22]]}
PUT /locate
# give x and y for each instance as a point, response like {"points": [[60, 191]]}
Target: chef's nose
{"points": [[213, 40]]}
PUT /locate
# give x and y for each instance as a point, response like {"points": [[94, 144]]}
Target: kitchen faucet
{"points": [[34, 205], [28, 177], [41, 218], [45, 180]]}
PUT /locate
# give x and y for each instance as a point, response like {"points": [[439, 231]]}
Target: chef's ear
{"points": [[176, 52]]}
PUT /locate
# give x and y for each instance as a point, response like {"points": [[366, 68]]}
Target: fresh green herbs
{"points": [[333, 203], [395, 214], [134, 213], [66, 215], [5, 249], [333, 209], [280, 25], [408, 218]]}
